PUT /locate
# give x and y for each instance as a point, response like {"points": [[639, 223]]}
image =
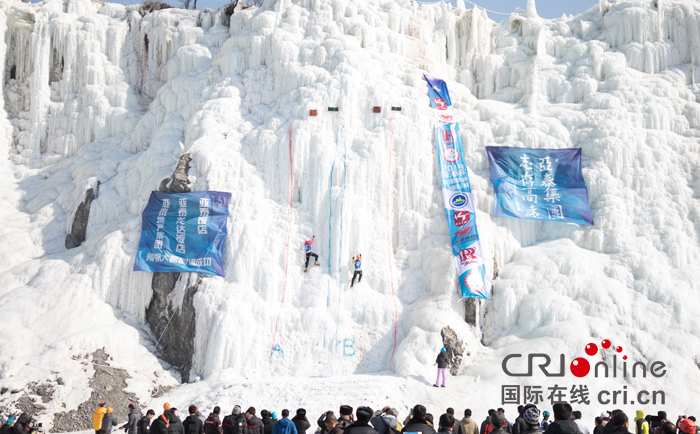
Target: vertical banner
{"points": [[457, 194], [183, 233], [539, 184]]}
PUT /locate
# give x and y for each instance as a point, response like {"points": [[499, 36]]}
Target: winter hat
{"points": [[345, 410], [301, 412], [236, 410], [110, 409], [274, 415], [603, 415], [131, 406], [166, 406], [364, 414], [532, 416], [102, 404], [443, 350], [393, 412]]}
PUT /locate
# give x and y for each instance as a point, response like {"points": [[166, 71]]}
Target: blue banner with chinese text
{"points": [[183, 233], [457, 194], [539, 184]]}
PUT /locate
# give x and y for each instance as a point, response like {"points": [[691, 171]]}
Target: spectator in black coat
{"points": [[143, 426], [235, 423], [362, 425], [175, 426], [160, 424], [331, 424], [192, 423], [268, 421], [499, 425], [418, 422], [301, 421], [457, 429], [446, 423], [213, 424], [486, 422], [562, 421], [255, 425]]}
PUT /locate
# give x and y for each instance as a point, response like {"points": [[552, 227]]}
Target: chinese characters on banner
{"points": [[539, 184], [511, 394], [183, 233], [456, 192]]}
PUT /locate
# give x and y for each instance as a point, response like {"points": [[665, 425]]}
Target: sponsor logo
{"points": [[468, 257], [464, 232], [461, 218], [451, 155], [445, 118], [459, 200], [474, 282], [440, 103]]}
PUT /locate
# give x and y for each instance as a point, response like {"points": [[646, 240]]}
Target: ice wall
{"points": [[116, 94]]}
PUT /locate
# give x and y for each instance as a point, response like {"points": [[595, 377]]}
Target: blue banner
{"points": [[539, 184], [184, 233], [457, 194]]}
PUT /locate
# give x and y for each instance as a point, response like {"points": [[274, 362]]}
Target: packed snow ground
{"points": [[98, 92]]}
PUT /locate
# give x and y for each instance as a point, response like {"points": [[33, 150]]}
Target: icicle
{"points": [[531, 10]]}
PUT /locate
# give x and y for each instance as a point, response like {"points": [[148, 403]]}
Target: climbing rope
{"points": [[289, 233], [330, 220], [388, 236], [187, 288], [340, 252]]}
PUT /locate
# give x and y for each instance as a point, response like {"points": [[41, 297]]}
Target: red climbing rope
{"points": [[388, 238], [289, 233]]}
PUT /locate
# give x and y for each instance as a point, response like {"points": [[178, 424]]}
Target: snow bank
{"points": [[103, 93]]}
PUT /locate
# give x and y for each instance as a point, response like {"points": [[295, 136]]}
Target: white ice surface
{"points": [[101, 93]]}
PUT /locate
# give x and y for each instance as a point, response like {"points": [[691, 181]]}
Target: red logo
{"points": [[451, 155], [461, 218], [474, 282], [467, 256], [464, 232], [440, 103], [448, 138], [445, 118], [580, 366]]}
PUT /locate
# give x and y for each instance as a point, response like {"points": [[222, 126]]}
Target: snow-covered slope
{"points": [[110, 93]]}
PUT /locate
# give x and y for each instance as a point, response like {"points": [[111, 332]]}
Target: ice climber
{"points": [[442, 365], [97, 416], [108, 420], [358, 270], [7, 427], [310, 253], [130, 426]]}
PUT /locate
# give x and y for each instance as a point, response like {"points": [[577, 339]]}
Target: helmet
{"points": [[359, 257], [687, 426], [443, 350], [166, 406], [545, 413], [110, 409]]}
